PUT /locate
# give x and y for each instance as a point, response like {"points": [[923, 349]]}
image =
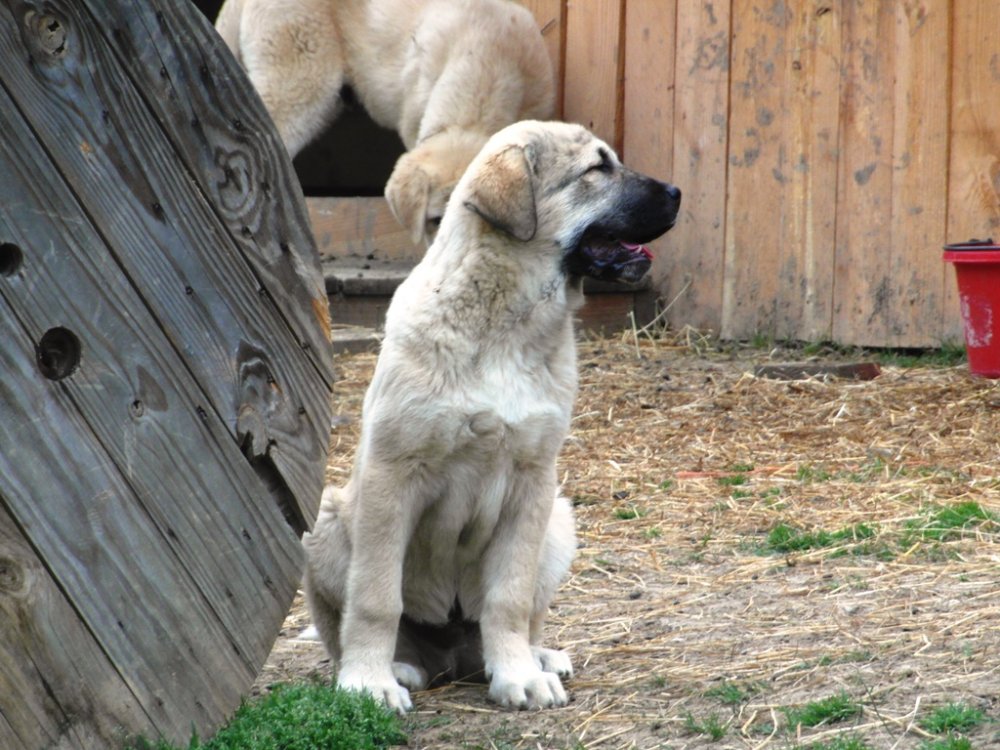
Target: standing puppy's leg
{"points": [[511, 568], [295, 61]]}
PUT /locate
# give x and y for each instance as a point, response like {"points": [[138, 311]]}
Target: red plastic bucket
{"points": [[977, 268]]}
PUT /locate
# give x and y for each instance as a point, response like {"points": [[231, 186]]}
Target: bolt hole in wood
{"points": [[58, 353], [11, 258], [49, 32]]}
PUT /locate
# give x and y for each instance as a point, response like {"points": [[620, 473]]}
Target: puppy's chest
{"points": [[515, 420]]}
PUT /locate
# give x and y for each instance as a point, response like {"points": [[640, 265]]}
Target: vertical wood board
{"points": [[690, 274], [758, 170], [919, 175], [812, 132], [593, 58], [864, 295], [551, 18]]}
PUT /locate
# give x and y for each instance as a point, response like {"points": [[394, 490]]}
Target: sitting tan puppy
{"points": [[444, 74], [440, 556]]}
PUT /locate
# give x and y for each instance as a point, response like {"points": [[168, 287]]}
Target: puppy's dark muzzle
{"points": [[647, 209], [613, 247]]}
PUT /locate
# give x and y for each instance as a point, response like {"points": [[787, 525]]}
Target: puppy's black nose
{"points": [[674, 192]]}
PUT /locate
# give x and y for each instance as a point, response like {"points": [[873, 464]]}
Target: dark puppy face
{"points": [[612, 246], [558, 183]]}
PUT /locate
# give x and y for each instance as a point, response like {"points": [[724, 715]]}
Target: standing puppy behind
{"points": [[441, 554], [444, 74]]}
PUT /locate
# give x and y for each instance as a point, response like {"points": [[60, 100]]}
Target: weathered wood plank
{"points": [[50, 665], [974, 163], [692, 270], [649, 86], [751, 299], [649, 98], [149, 499], [127, 586], [864, 295], [140, 401], [812, 129], [359, 227], [594, 60], [783, 171], [193, 86], [99, 127], [551, 18], [919, 175]]}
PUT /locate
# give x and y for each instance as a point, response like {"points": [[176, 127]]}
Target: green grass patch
{"points": [[808, 473], [784, 538], [953, 717], [951, 742], [630, 513], [951, 354], [733, 693], [302, 716], [732, 480], [826, 711], [711, 726], [949, 522]]}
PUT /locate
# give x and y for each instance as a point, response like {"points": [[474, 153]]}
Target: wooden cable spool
{"points": [[165, 375]]}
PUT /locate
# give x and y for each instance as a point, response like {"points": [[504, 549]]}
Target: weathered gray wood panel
{"points": [[151, 493], [102, 129]]}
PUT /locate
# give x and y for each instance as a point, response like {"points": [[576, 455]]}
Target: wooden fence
{"points": [[827, 149]]}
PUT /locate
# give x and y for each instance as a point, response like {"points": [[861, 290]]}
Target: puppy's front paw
{"points": [[551, 660], [383, 688], [526, 687]]}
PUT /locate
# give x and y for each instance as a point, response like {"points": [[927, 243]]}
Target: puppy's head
{"points": [[558, 184], [424, 177]]}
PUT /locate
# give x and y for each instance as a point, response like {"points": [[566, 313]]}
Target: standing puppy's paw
{"points": [[383, 688], [526, 687], [409, 676], [551, 660]]}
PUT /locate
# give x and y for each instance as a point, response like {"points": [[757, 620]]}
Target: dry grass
{"points": [[680, 463]]}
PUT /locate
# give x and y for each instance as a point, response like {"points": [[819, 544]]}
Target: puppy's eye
{"points": [[604, 165], [434, 221]]}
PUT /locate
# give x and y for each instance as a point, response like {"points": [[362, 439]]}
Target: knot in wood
{"points": [[11, 576], [47, 32]]}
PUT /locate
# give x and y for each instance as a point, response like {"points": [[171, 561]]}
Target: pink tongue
{"points": [[638, 249]]}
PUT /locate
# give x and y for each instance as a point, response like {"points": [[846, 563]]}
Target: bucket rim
{"points": [[973, 245]]}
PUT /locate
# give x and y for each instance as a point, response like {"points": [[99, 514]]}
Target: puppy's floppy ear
{"points": [[408, 192], [503, 194]]}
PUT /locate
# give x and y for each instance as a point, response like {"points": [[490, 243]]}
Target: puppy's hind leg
{"points": [[558, 552], [295, 60], [328, 555]]}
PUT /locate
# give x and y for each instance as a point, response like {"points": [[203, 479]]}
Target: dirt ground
{"points": [[679, 615]]}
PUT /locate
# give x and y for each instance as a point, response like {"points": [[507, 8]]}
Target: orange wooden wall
{"points": [[826, 149]]}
